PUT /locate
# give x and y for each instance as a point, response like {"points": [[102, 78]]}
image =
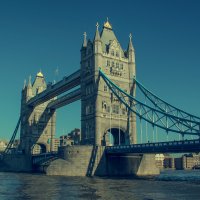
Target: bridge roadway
{"points": [[52, 91], [44, 158], [183, 146]]}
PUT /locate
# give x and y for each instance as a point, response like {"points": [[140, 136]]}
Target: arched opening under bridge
{"points": [[115, 136], [39, 148]]}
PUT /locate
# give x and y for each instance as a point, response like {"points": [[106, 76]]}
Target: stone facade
{"points": [[104, 120], [78, 160], [87, 160], [38, 123], [188, 161]]}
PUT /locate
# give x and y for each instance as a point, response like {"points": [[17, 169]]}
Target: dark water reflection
{"points": [[15, 186]]}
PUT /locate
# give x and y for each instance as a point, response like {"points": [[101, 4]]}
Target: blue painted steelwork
{"points": [[158, 147], [9, 146], [166, 107], [154, 116], [43, 158]]}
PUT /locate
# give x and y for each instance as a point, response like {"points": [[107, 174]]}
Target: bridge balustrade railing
{"points": [[43, 157], [172, 146], [158, 144]]}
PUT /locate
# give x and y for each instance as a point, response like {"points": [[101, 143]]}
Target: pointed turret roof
{"points": [[107, 36], [24, 84], [130, 45], [85, 39], [97, 35], [107, 24], [39, 82], [29, 82], [40, 74]]}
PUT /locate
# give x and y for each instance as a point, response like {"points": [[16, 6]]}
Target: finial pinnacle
{"points": [[107, 24], [84, 39], [107, 19], [97, 25], [85, 35], [130, 36], [29, 81], [24, 83]]}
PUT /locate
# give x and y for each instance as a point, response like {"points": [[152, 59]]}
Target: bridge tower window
{"points": [[108, 63], [116, 109], [113, 64], [117, 53], [112, 53], [117, 66], [105, 88], [116, 137]]}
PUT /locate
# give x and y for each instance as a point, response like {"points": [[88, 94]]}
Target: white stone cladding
{"points": [[100, 109]]}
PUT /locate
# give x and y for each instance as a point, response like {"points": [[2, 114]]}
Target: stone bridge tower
{"points": [[104, 120], [38, 123]]}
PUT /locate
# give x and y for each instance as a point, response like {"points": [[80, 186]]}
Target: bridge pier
{"points": [[132, 164], [93, 161]]}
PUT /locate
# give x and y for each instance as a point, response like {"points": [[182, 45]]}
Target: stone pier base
{"points": [[92, 160], [79, 161], [132, 164]]}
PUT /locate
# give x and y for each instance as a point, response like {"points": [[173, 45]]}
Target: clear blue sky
{"points": [[45, 34]]}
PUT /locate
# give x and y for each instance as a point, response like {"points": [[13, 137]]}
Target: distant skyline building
{"points": [[3, 145], [72, 138]]}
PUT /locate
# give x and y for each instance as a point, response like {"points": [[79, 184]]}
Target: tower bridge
{"points": [[106, 85]]}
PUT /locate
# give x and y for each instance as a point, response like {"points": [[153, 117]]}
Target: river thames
{"points": [[173, 185]]}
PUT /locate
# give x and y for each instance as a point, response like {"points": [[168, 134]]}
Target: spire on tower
{"points": [[40, 74], [29, 82], [97, 36], [97, 25], [107, 24], [130, 50], [85, 39], [24, 83], [29, 88], [130, 45]]}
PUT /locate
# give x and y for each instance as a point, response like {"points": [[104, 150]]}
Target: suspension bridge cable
{"points": [[110, 119], [13, 137], [156, 134], [153, 139], [140, 130], [145, 91], [167, 136], [147, 110], [153, 129], [146, 122]]}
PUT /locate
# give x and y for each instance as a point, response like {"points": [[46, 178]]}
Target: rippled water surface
{"points": [[171, 185]]}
